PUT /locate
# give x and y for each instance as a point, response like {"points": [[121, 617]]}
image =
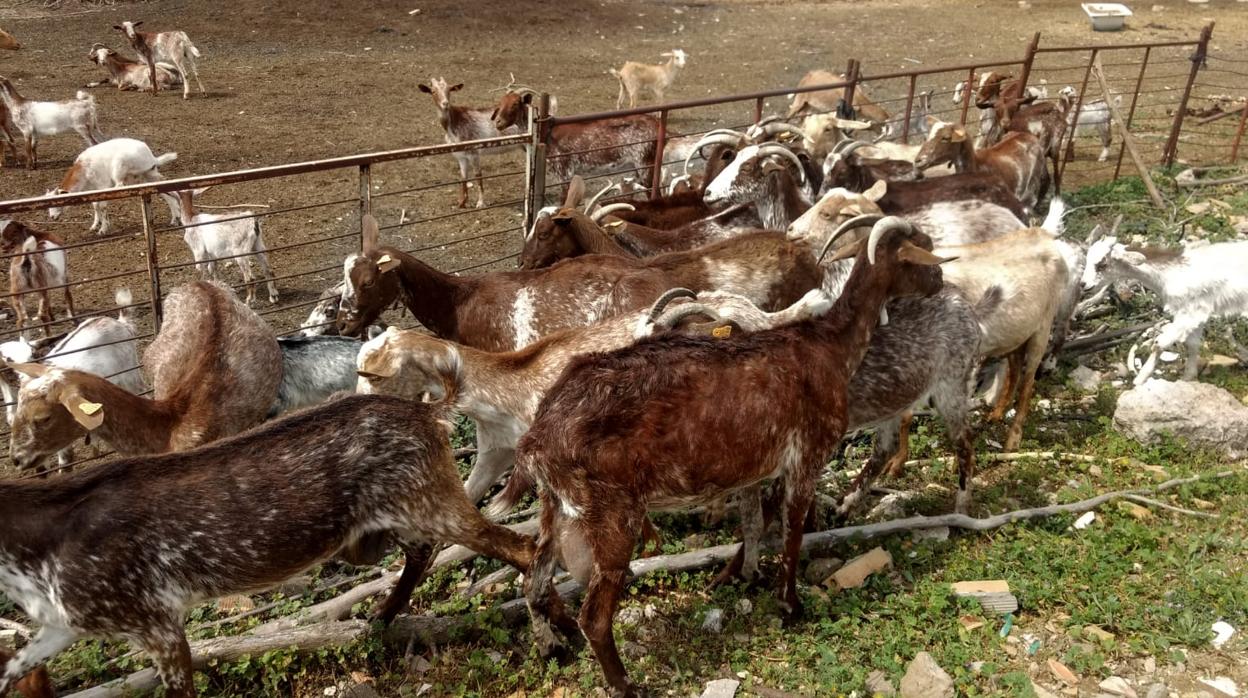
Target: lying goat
{"points": [[129, 74]]}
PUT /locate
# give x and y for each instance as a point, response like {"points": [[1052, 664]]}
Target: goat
{"points": [[172, 46], [1017, 161], [466, 124], [894, 162], [500, 391], [215, 369], [313, 369], [1194, 283], [993, 89], [8, 42], [8, 133], [37, 119], [232, 236], [772, 177], [507, 310], [39, 264], [917, 126], [123, 549], [831, 100], [659, 397], [635, 77], [1092, 114], [113, 163], [129, 74]]}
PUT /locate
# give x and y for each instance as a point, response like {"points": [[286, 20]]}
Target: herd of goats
{"points": [[714, 342]]}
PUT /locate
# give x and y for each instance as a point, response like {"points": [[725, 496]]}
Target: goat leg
{"points": [[171, 654], [415, 564], [543, 600], [1034, 352], [896, 463], [799, 493], [611, 553], [1013, 366], [47, 643]]}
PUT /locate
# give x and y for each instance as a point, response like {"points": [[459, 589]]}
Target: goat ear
{"points": [[772, 164], [563, 214], [846, 252], [29, 369], [424, 88], [386, 263], [376, 365], [137, 24], [957, 135], [932, 121], [89, 414], [456, 87], [914, 254], [371, 234], [118, 27], [576, 192], [877, 191]]}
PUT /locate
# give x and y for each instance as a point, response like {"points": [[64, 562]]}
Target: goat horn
{"points": [[589, 207], [855, 222], [607, 210], [670, 317], [777, 149], [716, 137], [668, 296], [885, 225], [771, 130]]}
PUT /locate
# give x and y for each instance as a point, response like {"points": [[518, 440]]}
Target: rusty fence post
{"points": [[905, 125], [1067, 151], [535, 163], [758, 110], [1028, 59], [153, 262], [1198, 60], [851, 77], [1135, 97], [660, 141], [366, 196], [1239, 133], [966, 95]]}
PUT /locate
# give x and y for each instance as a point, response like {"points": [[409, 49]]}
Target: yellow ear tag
{"points": [[722, 332], [89, 408]]}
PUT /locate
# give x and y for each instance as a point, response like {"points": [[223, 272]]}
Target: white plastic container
{"points": [[1106, 16]]}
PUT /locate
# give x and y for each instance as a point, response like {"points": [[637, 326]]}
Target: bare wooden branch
{"points": [[1212, 182], [1127, 139], [1169, 507], [14, 625]]}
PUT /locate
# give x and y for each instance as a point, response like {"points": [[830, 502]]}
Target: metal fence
{"points": [[310, 211]]}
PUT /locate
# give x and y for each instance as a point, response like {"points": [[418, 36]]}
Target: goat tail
{"points": [[615, 73], [1053, 222], [123, 298], [517, 486], [162, 160]]}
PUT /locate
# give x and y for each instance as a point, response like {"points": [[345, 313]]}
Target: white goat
{"points": [[1195, 283], [113, 163], [36, 119], [635, 77], [233, 236], [1093, 114]]}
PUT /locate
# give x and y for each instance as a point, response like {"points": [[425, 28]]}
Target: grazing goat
{"points": [[500, 391], [1093, 114], [635, 77], [39, 264], [129, 74], [172, 46], [641, 429], [37, 119], [507, 310], [1017, 161], [215, 369], [229, 236], [113, 163], [1194, 283], [125, 548], [467, 124], [831, 100]]}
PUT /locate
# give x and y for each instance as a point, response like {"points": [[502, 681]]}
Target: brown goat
{"points": [[1045, 120], [1017, 161], [41, 265], [129, 74], [644, 428], [828, 101], [502, 311], [123, 549], [215, 368], [172, 46]]}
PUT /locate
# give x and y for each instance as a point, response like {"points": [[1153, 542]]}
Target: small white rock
{"points": [[1118, 686], [721, 688], [1222, 633], [714, 621], [745, 607], [1084, 521]]}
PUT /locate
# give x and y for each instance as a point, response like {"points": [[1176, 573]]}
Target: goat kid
{"points": [[1093, 114], [39, 264], [124, 549], [230, 236], [38, 119], [466, 124], [172, 46], [113, 163], [636, 77], [129, 74]]}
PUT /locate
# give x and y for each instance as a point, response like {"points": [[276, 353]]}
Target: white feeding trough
{"points": [[1106, 16]]}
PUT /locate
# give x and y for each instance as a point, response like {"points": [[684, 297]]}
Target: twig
{"points": [[1076, 344], [1212, 182], [14, 625], [1169, 507], [1009, 457], [225, 206]]}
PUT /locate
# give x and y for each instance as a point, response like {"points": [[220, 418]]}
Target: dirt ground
{"points": [[296, 80]]}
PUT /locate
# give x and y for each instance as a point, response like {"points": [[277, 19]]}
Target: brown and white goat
{"points": [[172, 46], [39, 264], [1044, 120], [466, 124], [636, 77], [1017, 161], [113, 163], [125, 548], [643, 428], [34, 119], [129, 74], [215, 368], [829, 101], [501, 311]]}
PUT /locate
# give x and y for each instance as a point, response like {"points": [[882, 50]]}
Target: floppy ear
{"points": [[456, 87], [914, 254], [527, 98], [563, 214], [932, 121], [386, 263], [118, 27], [846, 252], [29, 369], [877, 191], [958, 134], [137, 24], [376, 365], [371, 234], [89, 414], [424, 88]]}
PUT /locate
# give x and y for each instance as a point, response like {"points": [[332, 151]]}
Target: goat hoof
{"points": [[792, 612]]}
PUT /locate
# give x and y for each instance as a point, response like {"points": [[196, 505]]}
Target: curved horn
{"points": [[589, 207], [773, 129], [607, 210], [668, 296], [855, 222], [777, 149], [718, 136], [670, 318], [885, 225]]}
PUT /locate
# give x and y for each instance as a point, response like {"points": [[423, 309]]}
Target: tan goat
{"points": [[635, 77]]}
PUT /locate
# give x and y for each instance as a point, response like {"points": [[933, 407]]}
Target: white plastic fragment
{"points": [[1084, 521], [1222, 632]]}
